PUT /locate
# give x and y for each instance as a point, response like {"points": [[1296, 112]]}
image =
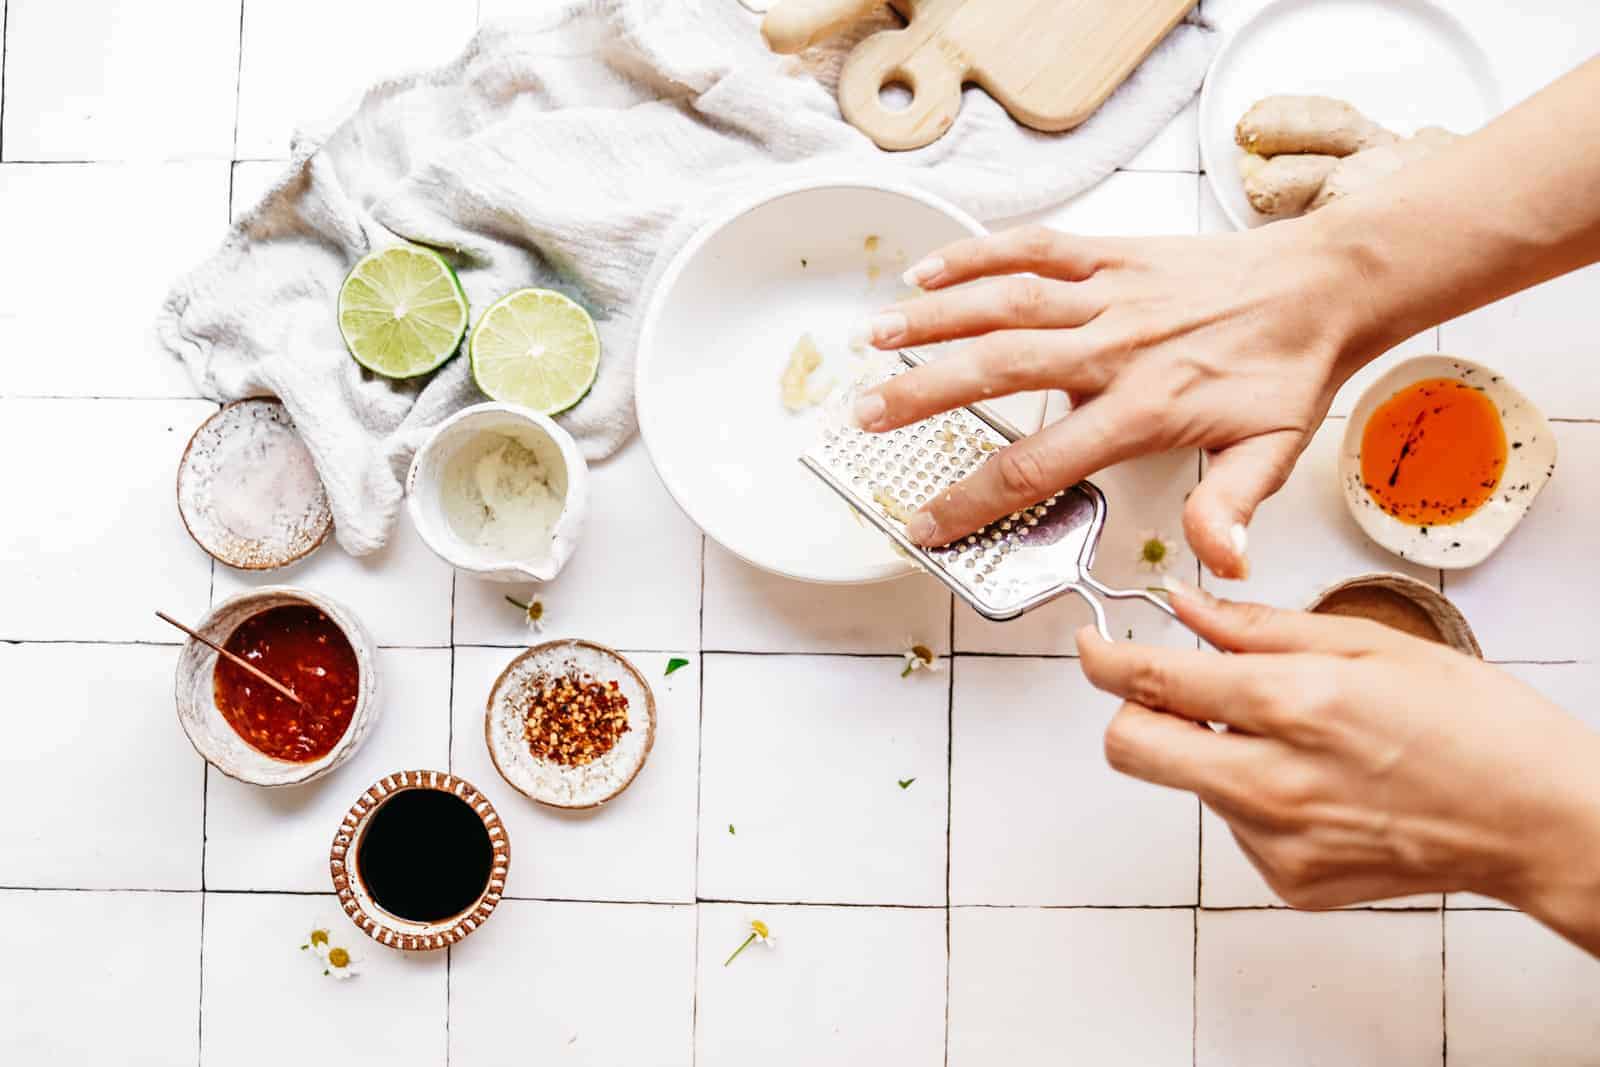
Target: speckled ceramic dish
{"points": [[1530, 460], [217, 742], [247, 489], [1430, 607], [357, 902], [551, 783]]}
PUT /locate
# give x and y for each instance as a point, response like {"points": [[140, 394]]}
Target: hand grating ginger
{"points": [[1304, 152]]}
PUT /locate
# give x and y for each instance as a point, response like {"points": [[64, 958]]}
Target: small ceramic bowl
{"points": [[357, 902], [552, 784], [1424, 605], [217, 742], [248, 491], [557, 452], [1530, 461]]}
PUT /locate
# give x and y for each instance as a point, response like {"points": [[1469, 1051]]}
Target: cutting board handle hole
{"points": [[897, 92]]}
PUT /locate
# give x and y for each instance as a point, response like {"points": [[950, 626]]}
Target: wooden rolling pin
{"points": [[795, 25]]}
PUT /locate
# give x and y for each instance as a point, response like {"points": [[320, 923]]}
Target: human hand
{"points": [[1233, 343], [1363, 763]]}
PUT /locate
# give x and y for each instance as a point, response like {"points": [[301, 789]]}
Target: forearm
{"points": [[1512, 205], [1557, 873]]}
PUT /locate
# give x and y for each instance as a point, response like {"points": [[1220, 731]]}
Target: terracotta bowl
{"points": [[391, 930], [217, 742], [1444, 615]]}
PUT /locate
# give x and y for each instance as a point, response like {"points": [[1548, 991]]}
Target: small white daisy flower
{"points": [[341, 963], [532, 613], [758, 933], [1156, 552], [918, 658], [317, 942]]}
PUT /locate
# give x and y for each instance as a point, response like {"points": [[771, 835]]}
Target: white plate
{"points": [[715, 340], [1403, 63]]}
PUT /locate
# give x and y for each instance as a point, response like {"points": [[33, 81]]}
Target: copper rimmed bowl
{"points": [[356, 900]]}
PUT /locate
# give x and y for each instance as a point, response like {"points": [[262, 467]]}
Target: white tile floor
{"points": [[1017, 903]]}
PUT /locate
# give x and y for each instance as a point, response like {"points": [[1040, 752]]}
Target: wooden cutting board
{"points": [[1050, 63]]}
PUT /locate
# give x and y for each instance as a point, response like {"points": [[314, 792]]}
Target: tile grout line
{"points": [[238, 82], [200, 997], [1045, 656], [1275, 908], [1194, 993], [1444, 998], [5, 40], [699, 756], [949, 810]]}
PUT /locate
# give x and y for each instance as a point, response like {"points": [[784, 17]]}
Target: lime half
{"points": [[535, 348], [402, 311]]}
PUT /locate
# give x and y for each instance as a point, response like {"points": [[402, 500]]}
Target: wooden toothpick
{"points": [[236, 660]]}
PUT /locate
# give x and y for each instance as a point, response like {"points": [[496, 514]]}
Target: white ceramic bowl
{"points": [[217, 742], [556, 450], [1404, 63], [718, 333]]}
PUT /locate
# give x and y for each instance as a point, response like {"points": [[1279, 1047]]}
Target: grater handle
{"points": [[1088, 586]]}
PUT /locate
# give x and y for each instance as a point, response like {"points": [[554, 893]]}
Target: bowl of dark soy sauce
{"points": [[420, 860]]}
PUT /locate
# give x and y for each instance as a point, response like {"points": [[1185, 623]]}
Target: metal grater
{"points": [[1007, 568]]}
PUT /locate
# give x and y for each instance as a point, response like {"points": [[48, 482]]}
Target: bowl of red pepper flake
{"points": [[570, 723]]}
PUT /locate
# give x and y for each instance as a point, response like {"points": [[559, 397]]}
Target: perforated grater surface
{"points": [[1009, 567]]}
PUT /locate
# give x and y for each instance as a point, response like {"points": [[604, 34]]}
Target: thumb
{"points": [[1237, 479]]}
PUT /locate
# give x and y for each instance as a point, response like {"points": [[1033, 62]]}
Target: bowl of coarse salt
{"points": [[570, 723], [248, 491], [499, 491]]}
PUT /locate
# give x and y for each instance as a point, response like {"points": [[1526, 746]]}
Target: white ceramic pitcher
{"points": [[425, 492]]}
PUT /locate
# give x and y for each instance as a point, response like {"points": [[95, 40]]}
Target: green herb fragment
{"points": [[676, 663], [730, 829], [905, 783]]}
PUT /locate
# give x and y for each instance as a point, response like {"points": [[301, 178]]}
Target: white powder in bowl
{"points": [[503, 496], [554, 783]]}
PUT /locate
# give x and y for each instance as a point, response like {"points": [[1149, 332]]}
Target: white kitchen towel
{"points": [[570, 150]]}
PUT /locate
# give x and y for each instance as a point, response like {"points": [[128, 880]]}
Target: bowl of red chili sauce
{"points": [[250, 731]]}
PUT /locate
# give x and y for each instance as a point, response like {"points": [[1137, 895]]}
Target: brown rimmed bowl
{"points": [[223, 442], [571, 788], [1432, 604], [357, 902], [218, 743]]}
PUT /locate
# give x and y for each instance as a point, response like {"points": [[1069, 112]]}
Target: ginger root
{"points": [[1304, 152], [1320, 125]]}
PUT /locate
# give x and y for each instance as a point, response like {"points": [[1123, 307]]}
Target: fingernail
{"points": [[885, 328], [921, 528], [869, 410], [1239, 538], [923, 271], [1173, 586]]}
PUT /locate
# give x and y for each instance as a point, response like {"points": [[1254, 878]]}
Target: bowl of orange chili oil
{"points": [[248, 730]]}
